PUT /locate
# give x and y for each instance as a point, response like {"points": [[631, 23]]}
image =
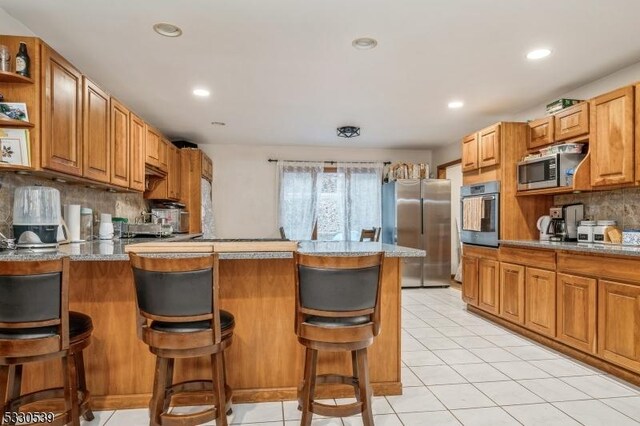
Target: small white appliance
{"points": [[105, 231], [543, 227], [36, 217]]}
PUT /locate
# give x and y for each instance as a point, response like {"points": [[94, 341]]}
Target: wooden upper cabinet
{"points": [[611, 140], [470, 280], [619, 323], [637, 134], [61, 146], [512, 279], [163, 153], [173, 176], [541, 132], [120, 151], [137, 138], [96, 147], [207, 167], [489, 146], [576, 312], [540, 297], [489, 285], [470, 152], [572, 122], [152, 150]]}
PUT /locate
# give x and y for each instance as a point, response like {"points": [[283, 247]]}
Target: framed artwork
{"points": [[14, 111], [14, 147]]}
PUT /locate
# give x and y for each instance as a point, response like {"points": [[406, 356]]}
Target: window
{"points": [[339, 201]]}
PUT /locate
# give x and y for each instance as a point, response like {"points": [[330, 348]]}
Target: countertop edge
{"points": [[593, 248]]}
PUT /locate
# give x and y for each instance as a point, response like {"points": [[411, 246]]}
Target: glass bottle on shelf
{"points": [[23, 63], [5, 58]]}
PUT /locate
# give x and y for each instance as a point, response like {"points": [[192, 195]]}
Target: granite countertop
{"points": [[612, 249], [113, 250]]}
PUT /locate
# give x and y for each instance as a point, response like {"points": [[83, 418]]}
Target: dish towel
{"points": [[472, 214]]}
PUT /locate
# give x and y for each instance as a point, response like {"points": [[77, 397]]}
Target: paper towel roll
{"points": [[73, 222]]}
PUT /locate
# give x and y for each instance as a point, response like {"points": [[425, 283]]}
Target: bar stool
{"points": [[36, 325], [180, 318], [337, 309]]}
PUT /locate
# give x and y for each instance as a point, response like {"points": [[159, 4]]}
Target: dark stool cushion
{"points": [[226, 321], [79, 323], [338, 322]]}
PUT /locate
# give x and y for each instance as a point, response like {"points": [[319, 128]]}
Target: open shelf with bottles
{"points": [[12, 77]]}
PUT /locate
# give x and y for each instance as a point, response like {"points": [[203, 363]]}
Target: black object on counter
{"points": [[184, 144]]}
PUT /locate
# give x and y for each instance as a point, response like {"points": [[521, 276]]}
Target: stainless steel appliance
{"points": [[548, 171], [417, 213], [173, 214], [564, 222], [480, 204]]}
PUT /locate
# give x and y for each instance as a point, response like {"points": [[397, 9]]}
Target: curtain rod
{"points": [[271, 160]]}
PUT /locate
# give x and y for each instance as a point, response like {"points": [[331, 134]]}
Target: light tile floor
{"points": [[461, 369]]}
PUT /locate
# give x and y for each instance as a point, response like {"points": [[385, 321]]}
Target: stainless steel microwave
{"points": [[549, 171]]}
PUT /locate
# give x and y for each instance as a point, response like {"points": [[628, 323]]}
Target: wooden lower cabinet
{"points": [[470, 280], [512, 292], [489, 285], [540, 298], [576, 311], [619, 323]]}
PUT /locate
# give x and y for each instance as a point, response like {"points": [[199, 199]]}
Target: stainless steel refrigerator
{"points": [[417, 213]]}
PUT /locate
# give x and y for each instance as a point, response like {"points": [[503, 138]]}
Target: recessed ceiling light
{"points": [[538, 54], [364, 43], [455, 104], [218, 123], [167, 30], [203, 93]]}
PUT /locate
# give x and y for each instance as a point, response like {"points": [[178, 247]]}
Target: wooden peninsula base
{"points": [[265, 360]]}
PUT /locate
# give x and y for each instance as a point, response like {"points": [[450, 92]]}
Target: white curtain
{"points": [[299, 183], [362, 197]]}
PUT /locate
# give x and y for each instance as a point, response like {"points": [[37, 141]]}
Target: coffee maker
{"points": [[564, 222]]}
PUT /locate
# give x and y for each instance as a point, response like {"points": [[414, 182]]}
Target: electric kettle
{"points": [[543, 227]]}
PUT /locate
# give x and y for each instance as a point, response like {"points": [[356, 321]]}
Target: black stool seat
{"points": [[337, 322], [79, 324], [227, 321]]}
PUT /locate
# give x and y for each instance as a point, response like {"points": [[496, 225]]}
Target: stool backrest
{"points": [[330, 286], [34, 294], [177, 289]]}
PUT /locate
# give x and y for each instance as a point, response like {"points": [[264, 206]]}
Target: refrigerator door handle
{"points": [[395, 236]]}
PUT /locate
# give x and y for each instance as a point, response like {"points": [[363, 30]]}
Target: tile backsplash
{"points": [[127, 205], [621, 205]]}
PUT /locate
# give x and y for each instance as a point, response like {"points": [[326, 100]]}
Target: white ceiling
{"points": [[283, 72]]}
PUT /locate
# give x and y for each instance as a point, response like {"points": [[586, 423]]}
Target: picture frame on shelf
{"points": [[14, 111], [14, 147]]}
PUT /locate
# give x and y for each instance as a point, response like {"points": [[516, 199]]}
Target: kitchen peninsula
{"points": [[264, 363]]}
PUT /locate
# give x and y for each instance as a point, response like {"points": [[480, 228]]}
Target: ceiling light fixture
{"points": [[203, 93], [167, 30], [364, 43], [538, 54], [348, 131], [455, 104], [218, 123]]}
